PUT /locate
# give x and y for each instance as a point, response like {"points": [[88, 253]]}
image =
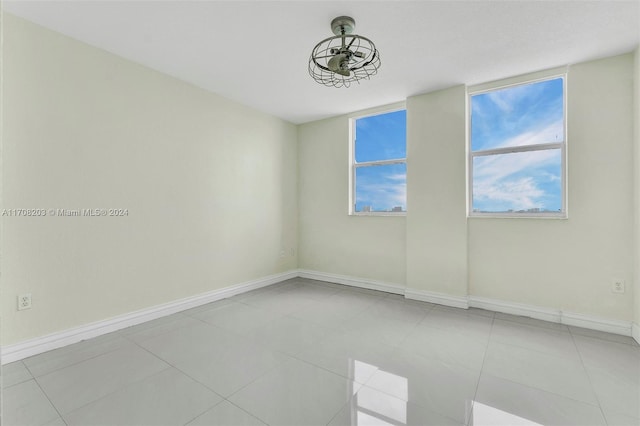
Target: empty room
{"points": [[320, 213]]}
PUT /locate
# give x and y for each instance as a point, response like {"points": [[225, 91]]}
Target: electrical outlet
{"points": [[24, 301], [618, 286]]}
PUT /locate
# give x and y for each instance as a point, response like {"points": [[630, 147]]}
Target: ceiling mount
{"points": [[344, 58], [343, 25]]}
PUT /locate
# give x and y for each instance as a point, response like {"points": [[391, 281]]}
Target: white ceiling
{"points": [[256, 52]]}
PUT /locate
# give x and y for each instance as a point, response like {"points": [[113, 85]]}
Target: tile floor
{"points": [[304, 352]]}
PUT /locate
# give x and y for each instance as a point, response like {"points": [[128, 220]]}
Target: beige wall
{"points": [[436, 188], [571, 264], [330, 240], [209, 184], [566, 265]]}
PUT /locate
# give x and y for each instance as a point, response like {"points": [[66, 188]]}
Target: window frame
{"points": [[562, 146], [354, 165]]}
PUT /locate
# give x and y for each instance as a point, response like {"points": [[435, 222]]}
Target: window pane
{"points": [[521, 115], [381, 188], [381, 137], [523, 182]]}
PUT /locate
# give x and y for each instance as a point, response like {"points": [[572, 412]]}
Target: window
{"points": [[518, 150], [379, 164]]}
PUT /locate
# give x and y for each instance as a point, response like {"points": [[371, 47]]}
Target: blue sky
{"points": [[517, 116], [381, 137]]}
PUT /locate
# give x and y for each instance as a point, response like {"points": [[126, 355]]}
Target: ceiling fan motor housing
{"points": [[343, 25]]}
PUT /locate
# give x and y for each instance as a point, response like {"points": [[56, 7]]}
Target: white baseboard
{"points": [[553, 315], [56, 340], [437, 298], [513, 308], [59, 339], [495, 305], [352, 281], [597, 323]]}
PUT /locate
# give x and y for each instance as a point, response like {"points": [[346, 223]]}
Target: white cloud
{"points": [[506, 99], [553, 132], [518, 194], [494, 168], [502, 100], [496, 178], [399, 177], [391, 192]]}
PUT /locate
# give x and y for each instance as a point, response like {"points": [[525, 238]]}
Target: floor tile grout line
{"points": [[297, 358], [484, 358], [248, 412], [48, 399], [413, 328], [397, 349], [240, 408], [203, 308], [2, 377], [588, 336], [594, 334], [555, 355], [204, 412], [579, 401], [118, 390], [195, 318], [129, 336], [293, 357], [263, 309], [466, 335], [82, 360], [179, 369], [269, 321], [209, 388], [342, 408], [269, 370], [508, 317], [586, 372], [548, 391], [223, 398], [536, 327], [2, 410], [364, 385]]}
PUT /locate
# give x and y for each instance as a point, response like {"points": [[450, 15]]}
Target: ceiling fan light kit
{"points": [[344, 58]]}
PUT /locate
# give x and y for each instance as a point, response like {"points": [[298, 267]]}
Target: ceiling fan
{"points": [[344, 58]]}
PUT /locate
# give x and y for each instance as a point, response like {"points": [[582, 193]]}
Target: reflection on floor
{"points": [[304, 352], [487, 415], [370, 407]]}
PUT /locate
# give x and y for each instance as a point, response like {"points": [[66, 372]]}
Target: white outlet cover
{"points": [[618, 286], [24, 301]]}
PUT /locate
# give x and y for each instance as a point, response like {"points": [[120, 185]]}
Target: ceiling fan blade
{"points": [[345, 72]]}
